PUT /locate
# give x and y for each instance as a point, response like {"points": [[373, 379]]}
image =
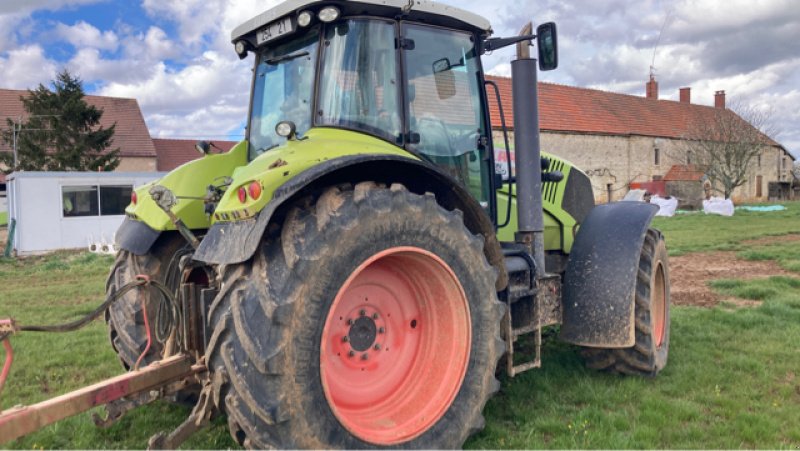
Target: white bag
{"points": [[666, 207], [718, 206]]}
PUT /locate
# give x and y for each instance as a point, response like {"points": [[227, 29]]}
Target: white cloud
{"points": [[83, 35], [205, 98], [26, 67]]}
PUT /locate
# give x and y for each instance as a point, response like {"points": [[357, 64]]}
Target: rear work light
{"points": [[242, 194], [134, 198]]}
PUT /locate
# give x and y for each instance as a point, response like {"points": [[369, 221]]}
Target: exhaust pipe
{"points": [[530, 217]]}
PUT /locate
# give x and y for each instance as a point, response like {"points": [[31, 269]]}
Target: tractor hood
{"points": [[255, 185], [188, 182]]}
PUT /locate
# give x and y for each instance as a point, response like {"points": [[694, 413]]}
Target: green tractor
{"points": [[353, 271]]}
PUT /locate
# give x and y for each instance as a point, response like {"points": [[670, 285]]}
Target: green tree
{"points": [[61, 131], [726, 143]]}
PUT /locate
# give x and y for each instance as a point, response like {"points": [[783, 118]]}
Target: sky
{"points": [[176, 59]]}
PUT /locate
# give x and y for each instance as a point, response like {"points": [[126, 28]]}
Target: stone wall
{"points": [[613, 161]]}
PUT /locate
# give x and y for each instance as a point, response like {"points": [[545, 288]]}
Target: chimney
{"points": [[719, 99], [651, 88], [686, 95]]}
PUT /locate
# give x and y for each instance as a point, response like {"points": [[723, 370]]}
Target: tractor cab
{"points": [[410, 77]]}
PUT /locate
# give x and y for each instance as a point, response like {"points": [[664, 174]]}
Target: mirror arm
{"points": [[498, 43]]}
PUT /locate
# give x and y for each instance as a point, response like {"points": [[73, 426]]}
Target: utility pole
{"points": [[14, 133]]}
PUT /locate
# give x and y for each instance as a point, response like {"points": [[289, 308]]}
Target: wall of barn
{"points": [[612, 162]]}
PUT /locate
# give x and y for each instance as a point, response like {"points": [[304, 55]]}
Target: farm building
{"points": [[68, 210], [619, 139]]}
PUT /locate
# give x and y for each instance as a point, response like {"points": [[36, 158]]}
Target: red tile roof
{"points": [[583, 110], [131, 135], [683, 172], [175, 152]]}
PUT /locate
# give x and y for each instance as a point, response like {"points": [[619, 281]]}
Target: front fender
{"points": [[599, 283], [236, 241]]}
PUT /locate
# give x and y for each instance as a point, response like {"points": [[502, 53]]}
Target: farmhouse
{"points": [[619, 139]]}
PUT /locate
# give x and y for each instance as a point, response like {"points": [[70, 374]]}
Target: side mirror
{"points": [[547, 44], [441, 65], [204, 147]]}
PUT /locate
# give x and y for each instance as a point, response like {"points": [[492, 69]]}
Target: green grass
{"points": [[3, 218], [733, 378], [787, 254], [699, 232]]}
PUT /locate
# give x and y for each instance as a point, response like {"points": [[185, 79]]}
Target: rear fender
{"points": [[236, 241], [599, 283]]}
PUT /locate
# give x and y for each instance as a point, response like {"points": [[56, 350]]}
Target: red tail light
{"points": [[254, 190], [242, 195], [134, 198]]}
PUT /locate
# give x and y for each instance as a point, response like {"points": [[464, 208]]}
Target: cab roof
{"points": [[425, 10]]}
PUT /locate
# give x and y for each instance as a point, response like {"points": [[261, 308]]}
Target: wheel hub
{"points": [[362, 333]]}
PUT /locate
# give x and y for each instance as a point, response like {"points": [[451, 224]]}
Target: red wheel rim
{"points": [[395, 346], [659, 305]]}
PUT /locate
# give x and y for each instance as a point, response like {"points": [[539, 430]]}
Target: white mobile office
{"points": [[68, 210]]}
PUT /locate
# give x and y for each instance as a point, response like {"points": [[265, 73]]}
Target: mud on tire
{"points": [[649, 354], [268, 319]]}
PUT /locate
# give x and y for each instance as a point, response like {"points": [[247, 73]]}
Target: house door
{"points": [[758, 186]]}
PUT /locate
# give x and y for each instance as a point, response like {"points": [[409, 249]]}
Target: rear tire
{"points": [[649, 354], [278, 326]]}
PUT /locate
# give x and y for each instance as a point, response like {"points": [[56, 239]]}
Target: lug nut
{"points": [[374, 316], [381, 330], [362, 312], [350, 321], [377, 346], [345, 339], [364, 356], [351, 353]]}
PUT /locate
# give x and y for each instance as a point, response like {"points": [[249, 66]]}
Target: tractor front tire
{"points": [[648, 356], [369, 319], [125, 317]]}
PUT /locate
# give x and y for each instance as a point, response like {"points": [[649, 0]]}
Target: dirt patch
{"points": [[691, 273], [773, 239], [3, 236]]}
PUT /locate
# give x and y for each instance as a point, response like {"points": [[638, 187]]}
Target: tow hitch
{"points": [[121, 393]]}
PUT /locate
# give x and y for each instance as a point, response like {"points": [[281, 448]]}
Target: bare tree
{"points": [[725, 143]]}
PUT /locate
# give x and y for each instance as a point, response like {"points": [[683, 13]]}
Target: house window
{"points": [[79, 201], [657, 156], [93, 200], [758, 159], [689, 157], [114, 199]]}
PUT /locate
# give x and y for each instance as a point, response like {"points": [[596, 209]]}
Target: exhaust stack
{"points": [[530, 218]]}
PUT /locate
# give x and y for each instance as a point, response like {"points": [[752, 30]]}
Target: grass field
{"points": [[3, 218], [733, 378]]}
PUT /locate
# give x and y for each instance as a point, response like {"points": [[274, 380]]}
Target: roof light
{"points": [[304, 18], [285, 129], [328, 14], [241, 49]]}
